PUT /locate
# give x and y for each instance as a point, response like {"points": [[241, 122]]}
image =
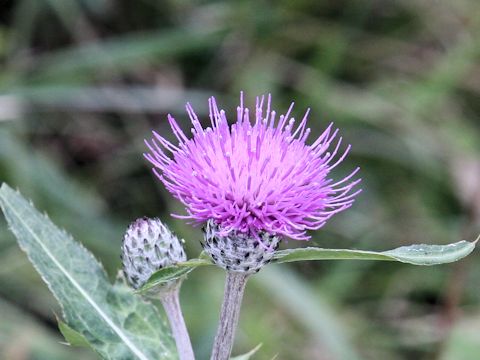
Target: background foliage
{"points": [[83, 82]]}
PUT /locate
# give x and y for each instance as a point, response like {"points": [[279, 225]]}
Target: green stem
{"points": [[171, 304], [234, 287]]}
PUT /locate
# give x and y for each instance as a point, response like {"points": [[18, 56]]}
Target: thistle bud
{"points": [[237, 251], [148, 245]]}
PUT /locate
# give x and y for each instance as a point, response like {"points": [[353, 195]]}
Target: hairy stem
{"points": [[171, 304], [232, 300]]}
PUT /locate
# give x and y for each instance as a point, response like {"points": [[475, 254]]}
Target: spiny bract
{"points": [[148, 245]]}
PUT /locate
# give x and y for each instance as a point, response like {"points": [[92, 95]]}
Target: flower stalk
{"points": [[171, 303], [149, 245], [234, 288]]}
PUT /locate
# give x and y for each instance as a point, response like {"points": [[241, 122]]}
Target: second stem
{"points": [[232, 301], [171, 304]]}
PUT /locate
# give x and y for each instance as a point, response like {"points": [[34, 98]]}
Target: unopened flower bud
{"points": [[148, 245], [237, 251]]}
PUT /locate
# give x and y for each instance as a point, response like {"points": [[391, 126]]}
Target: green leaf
{"points": [[432, 254], [117, 324], [420, 254], [248, 355], [73, 337], [173, 272]]}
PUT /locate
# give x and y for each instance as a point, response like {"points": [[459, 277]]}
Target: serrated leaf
{"points": [[248, 355], [419, 254], [117, 324]]}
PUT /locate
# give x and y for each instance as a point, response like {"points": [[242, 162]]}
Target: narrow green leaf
{"points": [[164, 275], [248, 355], [420, 254], [73, 337], [173, 272], [314, 253], [117, 324]]}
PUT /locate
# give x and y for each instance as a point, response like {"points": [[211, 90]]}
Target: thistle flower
{"points": [[251, 183], [256, 175], [148, 245]]}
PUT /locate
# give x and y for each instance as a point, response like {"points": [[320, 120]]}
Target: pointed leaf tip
{"points": [[74, 338], [417, 254], [476, 240], [248, 355]]}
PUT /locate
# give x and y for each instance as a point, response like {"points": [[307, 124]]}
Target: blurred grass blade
{"points": [[20, 329], [115, 322], [125, 51], [248, 355], [462, 342], [418, 254], [61, 194], [324, 324], [127, 99]]}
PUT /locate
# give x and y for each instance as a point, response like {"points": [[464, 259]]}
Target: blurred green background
{"points": [[82, 83]]}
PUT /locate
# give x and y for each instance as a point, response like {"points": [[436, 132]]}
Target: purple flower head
{"points": [[257, 175]]}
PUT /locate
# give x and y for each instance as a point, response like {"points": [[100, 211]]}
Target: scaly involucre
{"points": [[254, 176]]}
